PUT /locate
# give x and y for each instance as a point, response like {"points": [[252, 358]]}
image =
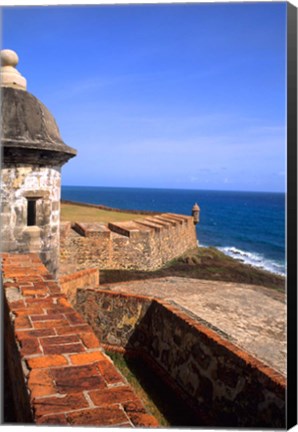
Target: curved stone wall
{"points": [[41, 184]]}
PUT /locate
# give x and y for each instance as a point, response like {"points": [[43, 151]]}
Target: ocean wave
{"points": [[254, 259]]}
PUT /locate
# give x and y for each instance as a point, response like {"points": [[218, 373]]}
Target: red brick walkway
{"points": [[70, 380]]}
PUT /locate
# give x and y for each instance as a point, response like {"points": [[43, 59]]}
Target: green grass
{"points": [[77, 213], [158, 399], [203, 263], [123, 365]]}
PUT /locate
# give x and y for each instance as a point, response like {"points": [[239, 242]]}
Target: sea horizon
{"points": [[175, 188]]}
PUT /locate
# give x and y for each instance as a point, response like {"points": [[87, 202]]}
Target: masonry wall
{"points": [[84, 278], [142, 244], [227, 386], [18, 184], [14, 378], [58, 372]]}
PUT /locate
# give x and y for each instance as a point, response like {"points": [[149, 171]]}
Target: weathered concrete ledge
{"points": [[58, 372]]}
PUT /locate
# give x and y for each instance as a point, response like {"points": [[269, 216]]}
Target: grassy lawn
{"points": [[76, 213]]}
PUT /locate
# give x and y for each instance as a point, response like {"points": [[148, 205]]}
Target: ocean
{"points": [[248, 226]]}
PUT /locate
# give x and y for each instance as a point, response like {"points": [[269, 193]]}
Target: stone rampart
{"points": [[227, 386], [141, 244], [56, 369]]}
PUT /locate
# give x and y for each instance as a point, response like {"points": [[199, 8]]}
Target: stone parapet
{"points": [[57, 370], [93, 229], [128, 229], [140, 244]]}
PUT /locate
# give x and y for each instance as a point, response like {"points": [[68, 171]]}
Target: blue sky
{"points": [[169, 96]]}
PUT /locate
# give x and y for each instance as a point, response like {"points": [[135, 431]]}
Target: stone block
{"points": [[55, 420], [67, 329], [112, 395], [47, 361], [94, 230], [59, 340], [8, 246], [37, 193], [56, 404], [124, 228], [87, 358], [63, 349], [41, 383], [90, 340], [50, 324], [105, 416], [30, 346], [22, 322], [108, 370], [143, 420], [149, 224], [5, 219], [55, 205], [20, 215], [78, 378], [64, 230], [32, 233], [5, 206]]}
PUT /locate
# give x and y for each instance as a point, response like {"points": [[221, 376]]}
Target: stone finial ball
{"points": [[9, 58]]}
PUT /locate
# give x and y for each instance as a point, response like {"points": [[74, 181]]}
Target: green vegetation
{"points": [[78, 213], [158, 399], [203, 263]]}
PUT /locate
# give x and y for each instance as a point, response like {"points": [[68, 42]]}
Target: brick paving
{"points": [[70, 379], [251, 317]]}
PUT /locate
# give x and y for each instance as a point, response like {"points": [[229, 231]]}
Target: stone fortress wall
{"points": [[225, 385], [142, 244], [56, 371], [59, 374], [19, 184]]}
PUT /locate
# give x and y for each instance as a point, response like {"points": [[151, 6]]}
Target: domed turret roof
{"points": [[26, 122], [29, 131]]}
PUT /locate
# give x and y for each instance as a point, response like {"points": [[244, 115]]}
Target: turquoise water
{"points": [[249, 226]]}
